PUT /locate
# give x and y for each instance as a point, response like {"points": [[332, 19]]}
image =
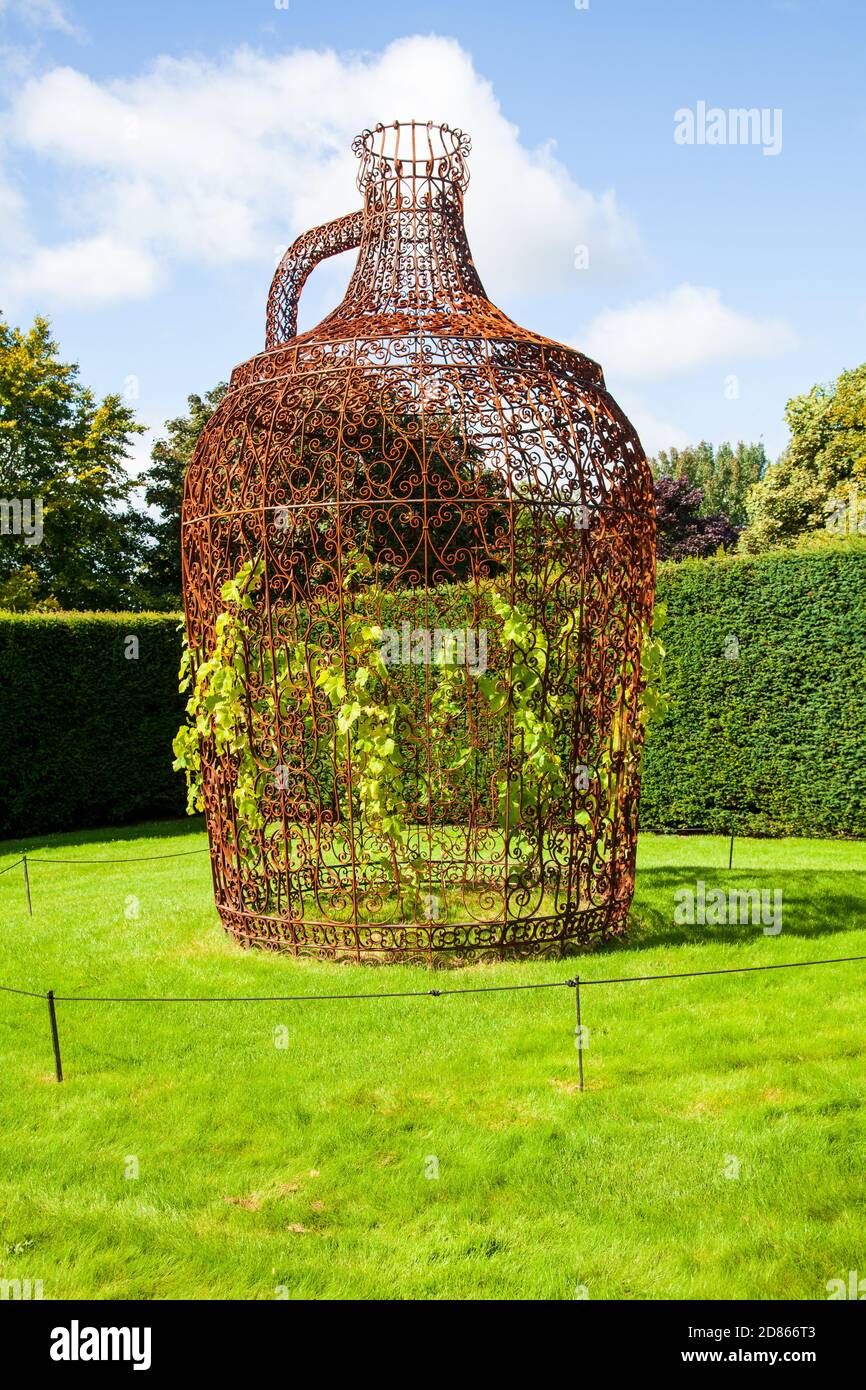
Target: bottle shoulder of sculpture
{"points": [[497, 349], [536, 410]]}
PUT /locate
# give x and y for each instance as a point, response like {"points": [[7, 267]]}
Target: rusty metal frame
{"points": [[460, 452]]}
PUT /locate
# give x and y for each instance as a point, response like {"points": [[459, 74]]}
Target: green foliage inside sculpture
{"points": [[246, 684]]}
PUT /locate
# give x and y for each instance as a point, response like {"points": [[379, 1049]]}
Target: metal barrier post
{"points": [[55, 1039]]}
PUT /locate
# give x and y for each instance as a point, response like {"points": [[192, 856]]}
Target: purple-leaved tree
{"points": [[680, 531]]}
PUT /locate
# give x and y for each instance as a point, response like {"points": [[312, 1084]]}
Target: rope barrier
{"points": [[416, 993], [728, 970], [25, 861], [297, 998], [133, 859], [574, 984]]}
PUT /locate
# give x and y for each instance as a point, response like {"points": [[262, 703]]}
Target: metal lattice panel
{"points": [[470, 463]]}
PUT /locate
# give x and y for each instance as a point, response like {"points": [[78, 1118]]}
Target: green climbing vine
{"points": [[376, 733], [620, 747], [369, 724], [217, 707], [520, 694]]}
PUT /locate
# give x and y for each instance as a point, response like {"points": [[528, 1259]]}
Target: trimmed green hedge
{"points": [[775, 741], [87, 730], [771, 743]]}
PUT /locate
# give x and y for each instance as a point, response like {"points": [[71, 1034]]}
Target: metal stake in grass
{"points": [[27, 884], [579, 1033], [731, 851], [55, 1040]]}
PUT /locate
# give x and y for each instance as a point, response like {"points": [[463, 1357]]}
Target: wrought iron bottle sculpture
{"points": [[421, 466]]}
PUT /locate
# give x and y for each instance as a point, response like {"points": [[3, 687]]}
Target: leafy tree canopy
{"points": [[828, 429], [170, 457], [724, 475], [789, 502], [681, 529], [62, 467], [822, 467]]}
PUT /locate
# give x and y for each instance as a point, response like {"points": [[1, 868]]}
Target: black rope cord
{"points": [[31, 994], [418, 993], [133, 859]]}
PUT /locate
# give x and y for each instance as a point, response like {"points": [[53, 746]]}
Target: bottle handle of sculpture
{"points": [[343, 234]]}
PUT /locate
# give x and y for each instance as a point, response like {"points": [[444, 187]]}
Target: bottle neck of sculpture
{"points": [[414, 256]]}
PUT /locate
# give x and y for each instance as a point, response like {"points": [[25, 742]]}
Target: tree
{"points": [[164, 490], [681, 530], [69, 531], [724, 475], [20, 592], [828, 429], [824, 461], [787, 503]]}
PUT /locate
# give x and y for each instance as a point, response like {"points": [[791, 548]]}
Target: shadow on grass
{"points": [[107, 836], [814, 904]]}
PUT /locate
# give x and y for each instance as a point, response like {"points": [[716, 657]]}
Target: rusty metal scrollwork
{"points": [[419, 469]]}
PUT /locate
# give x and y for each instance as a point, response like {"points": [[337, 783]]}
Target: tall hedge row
{"points": [[766, 734], [86, 723], [767, 673]]}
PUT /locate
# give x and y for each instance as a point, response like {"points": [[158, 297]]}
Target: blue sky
{"points": [[155, 158]]}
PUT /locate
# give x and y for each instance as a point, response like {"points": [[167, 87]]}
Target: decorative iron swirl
{"points": [[464, 458]]}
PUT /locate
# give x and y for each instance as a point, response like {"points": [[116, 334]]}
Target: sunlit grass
{"points": [[311, 1168]]}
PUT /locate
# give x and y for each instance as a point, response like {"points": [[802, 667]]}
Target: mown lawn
{"points": [[432, 1148]]}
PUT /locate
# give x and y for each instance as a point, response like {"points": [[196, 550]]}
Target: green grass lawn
{"points": [[311, 1168]]}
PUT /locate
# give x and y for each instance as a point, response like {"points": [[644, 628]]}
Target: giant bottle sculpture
{"points": [[449, 526]]}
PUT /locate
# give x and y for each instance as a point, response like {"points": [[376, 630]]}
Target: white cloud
{"points": [[43, 14], [216, 161], [95, 270], [13, 216], [679, 331], [654, 431]]}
